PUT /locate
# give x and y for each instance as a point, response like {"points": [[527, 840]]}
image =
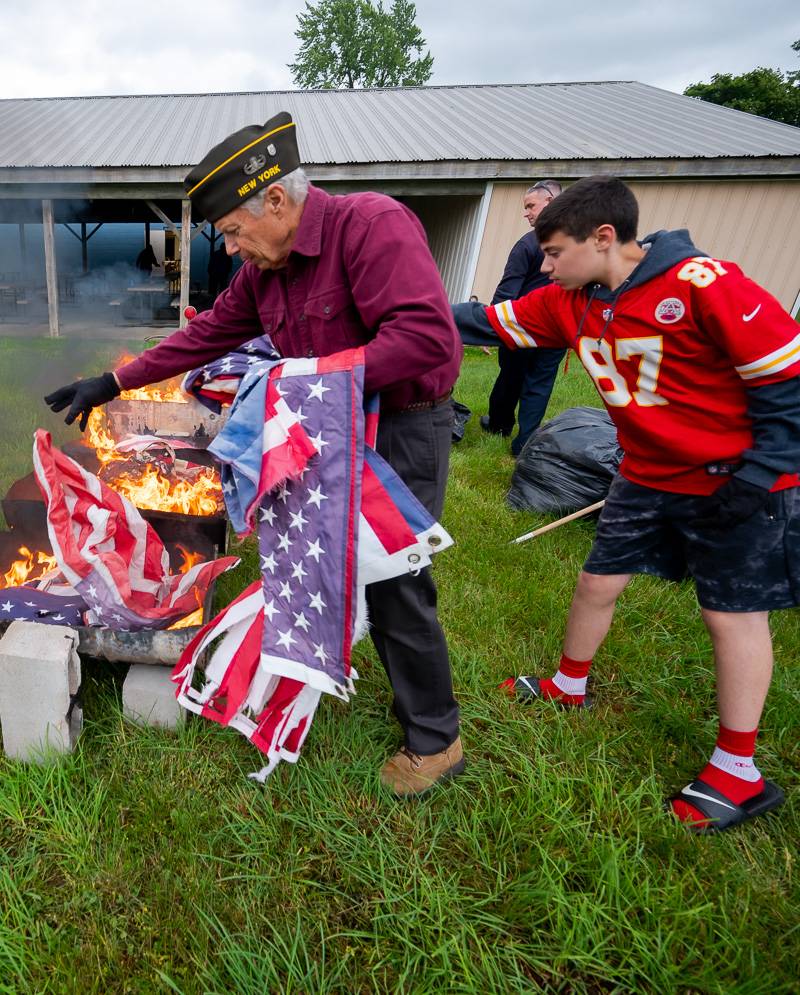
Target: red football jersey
{"points": [[672, 365]]}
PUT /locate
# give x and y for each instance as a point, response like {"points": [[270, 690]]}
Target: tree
{"points": [[768, 92], [352, 43]]}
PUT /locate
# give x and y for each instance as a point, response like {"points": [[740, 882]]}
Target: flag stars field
{"points": [[317, 390], [315, 496], [270, 610], [315, 550], [286, 639]]}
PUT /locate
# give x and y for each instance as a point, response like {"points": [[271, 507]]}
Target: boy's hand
{"points": [[734, 502]]}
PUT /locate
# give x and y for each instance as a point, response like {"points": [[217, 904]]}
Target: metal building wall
{"points": [[755, 223], [450, 224]]}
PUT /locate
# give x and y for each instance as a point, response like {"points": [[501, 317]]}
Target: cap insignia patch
{"points": [[254, 163]]}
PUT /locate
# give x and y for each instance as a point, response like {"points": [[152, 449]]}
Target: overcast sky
{"points": [[82, 47]]}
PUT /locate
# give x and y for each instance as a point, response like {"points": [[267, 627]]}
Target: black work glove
{"points": [[734, 502], [82, 396]]}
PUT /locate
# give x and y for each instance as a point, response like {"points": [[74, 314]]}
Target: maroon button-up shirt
{"points": [[359, 273]]}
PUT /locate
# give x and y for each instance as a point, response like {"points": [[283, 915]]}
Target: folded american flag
{"points": [[216, 383], [109, 554], [332, 516]]}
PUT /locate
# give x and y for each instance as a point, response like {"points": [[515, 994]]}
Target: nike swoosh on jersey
{"points": [[699, 794], [749, 317]]}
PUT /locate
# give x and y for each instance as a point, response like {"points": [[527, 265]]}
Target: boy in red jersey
{"points": [[699, 368]]}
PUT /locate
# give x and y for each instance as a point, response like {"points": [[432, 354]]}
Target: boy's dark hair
{"points": [[587, 204]]}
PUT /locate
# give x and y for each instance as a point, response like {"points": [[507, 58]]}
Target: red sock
{"points": [[730, 770], [568, 684]]}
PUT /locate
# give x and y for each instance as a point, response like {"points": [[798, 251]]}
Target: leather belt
{"points": [[425, 405]]}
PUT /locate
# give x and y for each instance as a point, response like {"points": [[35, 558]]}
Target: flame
{"points": [[148, 488], [196, 618], [188, 559], [167, 392], [151, 490], [32, 566], [97, 438]]}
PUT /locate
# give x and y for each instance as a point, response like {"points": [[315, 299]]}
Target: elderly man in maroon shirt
{"points": [[322, 274]]}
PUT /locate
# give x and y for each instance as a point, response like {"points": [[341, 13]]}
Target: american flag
{"points": [[108, 554], [295, 465], [27, 604], [216, 383]]}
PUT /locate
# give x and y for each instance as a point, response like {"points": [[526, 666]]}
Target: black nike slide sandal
{"points": [[724, 813], [528, 688]]}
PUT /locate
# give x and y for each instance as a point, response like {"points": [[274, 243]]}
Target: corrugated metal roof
{"points": [[614, 120]]}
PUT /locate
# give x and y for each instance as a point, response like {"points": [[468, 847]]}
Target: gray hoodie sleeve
{"points": [[775, 410]]}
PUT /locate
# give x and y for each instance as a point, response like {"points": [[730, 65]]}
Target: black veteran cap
{"points": [[242, 164]]}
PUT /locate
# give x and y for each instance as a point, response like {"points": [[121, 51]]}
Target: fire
{"points": [[196, 618], [32, 566], [151, 490], [97, 438], [189, 560], [146, 486], [165, 393]]}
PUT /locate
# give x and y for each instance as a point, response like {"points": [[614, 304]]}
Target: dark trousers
{"points": [[402, 611], [526, 378]]}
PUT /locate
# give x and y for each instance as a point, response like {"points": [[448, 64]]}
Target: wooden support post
{"points": [[186, 253], [84, 248], [50, 266], [23, 247]]}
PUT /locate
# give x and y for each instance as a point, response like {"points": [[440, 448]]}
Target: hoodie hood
{"points": [[663, 249]]}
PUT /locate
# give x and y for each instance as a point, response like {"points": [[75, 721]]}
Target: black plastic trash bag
{"points": [[461, 415], [567, 464]]}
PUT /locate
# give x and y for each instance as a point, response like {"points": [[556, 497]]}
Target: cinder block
{"points": [[40, 671], [148, 696]]}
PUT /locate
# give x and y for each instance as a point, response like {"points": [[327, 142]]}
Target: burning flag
{"points": [[331, 517], [108, 553]]}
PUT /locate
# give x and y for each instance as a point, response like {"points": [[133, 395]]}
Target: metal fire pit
{"points": [[25, 513], [154, 646]]}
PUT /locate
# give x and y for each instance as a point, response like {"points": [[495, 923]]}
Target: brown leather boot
{"points": [[408, 773]]}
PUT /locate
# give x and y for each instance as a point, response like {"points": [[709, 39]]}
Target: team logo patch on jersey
{"points": [[608, 314], [670, 310]]}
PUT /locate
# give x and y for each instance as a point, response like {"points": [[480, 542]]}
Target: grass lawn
{"points": [[146, 862]]}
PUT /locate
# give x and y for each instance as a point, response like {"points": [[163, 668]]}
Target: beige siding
{"points": [[505, 223], [755, 223]]}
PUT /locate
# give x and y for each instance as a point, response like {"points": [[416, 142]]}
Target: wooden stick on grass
{"points": [[557, 524]]}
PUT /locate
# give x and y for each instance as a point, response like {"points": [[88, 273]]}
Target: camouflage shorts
{"points": [[753, 566]]}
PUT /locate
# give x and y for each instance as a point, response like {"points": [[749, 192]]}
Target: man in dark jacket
{"points": [[322, 274], [526, 378]]}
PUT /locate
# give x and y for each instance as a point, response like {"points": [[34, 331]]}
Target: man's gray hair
{"points": [[551, 187], [295, 184]]}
